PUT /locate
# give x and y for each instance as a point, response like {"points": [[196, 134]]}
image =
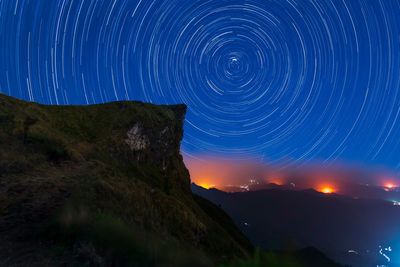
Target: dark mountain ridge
{"points": [[103, 185], [348, 230]]}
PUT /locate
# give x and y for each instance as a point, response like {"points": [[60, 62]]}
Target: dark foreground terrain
{"points": [[105, 185], [349, 230]]}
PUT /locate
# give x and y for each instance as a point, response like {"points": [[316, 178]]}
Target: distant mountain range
{"points": [[355, 190], [354, 231]]}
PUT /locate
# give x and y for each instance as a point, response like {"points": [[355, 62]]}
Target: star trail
{"points": [[284, 81]]}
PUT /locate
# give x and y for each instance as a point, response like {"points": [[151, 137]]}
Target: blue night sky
{"points": [[296, 81]]}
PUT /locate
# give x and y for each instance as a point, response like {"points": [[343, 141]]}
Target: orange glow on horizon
{"points": [[276, 181], [212, 172], [327, 190], [228, 174], [206, 185]]}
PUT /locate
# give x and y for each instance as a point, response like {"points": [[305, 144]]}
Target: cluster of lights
{"points": [[390, 187], [384, 252], [246, 187]]}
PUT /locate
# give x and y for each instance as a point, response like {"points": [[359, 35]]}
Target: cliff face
{"points": [[103, 185]]}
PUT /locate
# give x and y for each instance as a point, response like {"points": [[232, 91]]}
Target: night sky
{"points": [[282, 81]]}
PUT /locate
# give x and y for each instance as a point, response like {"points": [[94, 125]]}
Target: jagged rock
{"points": [[107, 176], [136, 139]]}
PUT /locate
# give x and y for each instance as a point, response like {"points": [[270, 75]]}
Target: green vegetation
{"points": [[73, 190], [77, 190]]}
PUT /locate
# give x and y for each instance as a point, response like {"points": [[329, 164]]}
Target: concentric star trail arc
{"points": [[280, 80]]}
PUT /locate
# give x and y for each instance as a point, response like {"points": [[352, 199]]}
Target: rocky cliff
{"points": [[103, 185]]}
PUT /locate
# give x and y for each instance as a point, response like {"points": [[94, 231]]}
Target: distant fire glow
{"points": [[233, 175], [206, 185], [327, 190], [390, 186], [276, 181]]}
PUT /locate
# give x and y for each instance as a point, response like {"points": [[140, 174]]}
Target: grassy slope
{"points": [[72, 192]]}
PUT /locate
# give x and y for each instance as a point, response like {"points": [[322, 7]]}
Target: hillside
{"points": [[276, 218], [103, 185]]}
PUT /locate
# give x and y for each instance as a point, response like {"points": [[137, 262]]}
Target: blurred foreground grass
{"points": [[104, 240]]}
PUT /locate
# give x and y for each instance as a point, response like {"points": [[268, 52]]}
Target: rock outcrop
{"points": [[103, 185]]}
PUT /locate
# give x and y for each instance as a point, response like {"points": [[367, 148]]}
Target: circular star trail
{"points": [[281, 80]]}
